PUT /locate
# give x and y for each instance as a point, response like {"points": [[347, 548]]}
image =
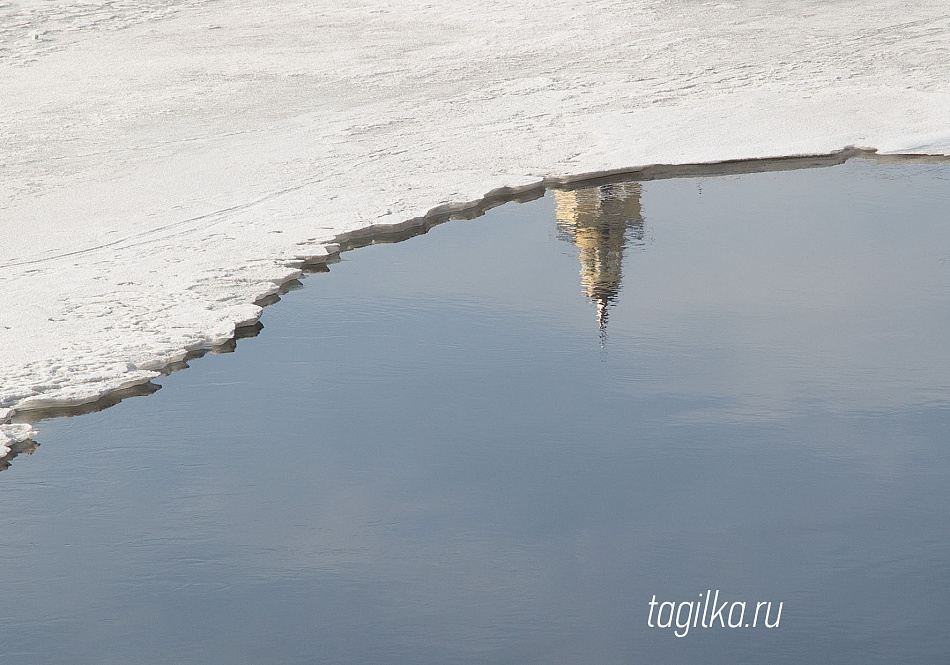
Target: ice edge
{"points": [[16, 420]]}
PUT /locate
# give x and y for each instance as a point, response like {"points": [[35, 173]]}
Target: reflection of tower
{"points": [[599, 221]]}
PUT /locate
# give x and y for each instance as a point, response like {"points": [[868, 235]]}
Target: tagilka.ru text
{"points": [[708, 613]]}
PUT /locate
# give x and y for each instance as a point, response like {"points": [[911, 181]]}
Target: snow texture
{"points": [[166, 163]]}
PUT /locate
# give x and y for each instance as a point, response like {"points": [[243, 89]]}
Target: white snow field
{"points": [[165, 163]]}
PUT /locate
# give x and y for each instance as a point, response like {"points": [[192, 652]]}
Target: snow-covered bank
{"points": [[164, 165]]}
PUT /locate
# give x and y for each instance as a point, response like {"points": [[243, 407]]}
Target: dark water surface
{"points": [[458, 449]]}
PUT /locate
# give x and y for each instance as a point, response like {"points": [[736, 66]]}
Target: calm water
{"points": [[494, 443]]}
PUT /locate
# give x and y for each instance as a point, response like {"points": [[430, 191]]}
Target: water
{"points": [[474, 447]]}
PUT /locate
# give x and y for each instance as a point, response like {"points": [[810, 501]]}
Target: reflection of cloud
{"points": [[599, 222]]}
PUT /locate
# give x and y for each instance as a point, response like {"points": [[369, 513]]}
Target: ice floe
{"points": [[166, 165]]}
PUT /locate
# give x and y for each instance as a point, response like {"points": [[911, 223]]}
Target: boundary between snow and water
{"points": [[16, 429]]}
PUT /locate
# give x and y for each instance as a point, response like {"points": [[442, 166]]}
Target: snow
{"points": [[166, 164]]}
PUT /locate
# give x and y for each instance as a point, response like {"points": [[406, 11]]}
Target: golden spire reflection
{"points": [[600, 221]]}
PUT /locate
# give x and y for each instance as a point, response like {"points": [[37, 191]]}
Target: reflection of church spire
{"points": [[599, 221]]}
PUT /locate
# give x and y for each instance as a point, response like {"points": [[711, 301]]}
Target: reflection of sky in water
{"points": [[426, 457], [828, 296]]}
